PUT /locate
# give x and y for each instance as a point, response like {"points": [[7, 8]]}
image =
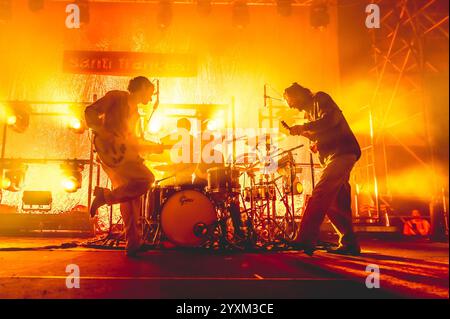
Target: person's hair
{"points": [[137, 83], [184, 123], [296, 89]]}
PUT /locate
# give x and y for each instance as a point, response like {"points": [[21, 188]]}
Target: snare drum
{"points": [[223, 181]]}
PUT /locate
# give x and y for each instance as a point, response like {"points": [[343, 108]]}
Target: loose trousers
{"points": [[331, 197], [129, 181]]}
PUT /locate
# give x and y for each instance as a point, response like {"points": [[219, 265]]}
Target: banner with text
{"points": [[130, 63]]}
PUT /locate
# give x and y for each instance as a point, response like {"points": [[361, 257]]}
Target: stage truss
{"points": [[400, 61]]}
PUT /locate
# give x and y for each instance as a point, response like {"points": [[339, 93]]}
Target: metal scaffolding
{"points": [[408, 28]]}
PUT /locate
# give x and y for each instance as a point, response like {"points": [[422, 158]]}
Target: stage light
{"points": [[75, 119], [319, 17], [35, 5], [241, 14], [14, 177], [70, 184], [164, 14], [72, 177], [298, 187], [77, 125], [215, 124], [284, 7], [11, 120], [204, 7], [156, 123], [18, 116], [5, 182]]}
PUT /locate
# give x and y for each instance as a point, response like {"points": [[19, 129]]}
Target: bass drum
{"points": [[187, 218]]}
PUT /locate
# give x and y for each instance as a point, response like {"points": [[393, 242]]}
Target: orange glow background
{"points": [[232, 63]]}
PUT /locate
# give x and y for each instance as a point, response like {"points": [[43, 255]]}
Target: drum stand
{"points": [[150, 223], [262, 198]]}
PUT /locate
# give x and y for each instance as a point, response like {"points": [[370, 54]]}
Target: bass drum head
{"points": [[184, 214]]}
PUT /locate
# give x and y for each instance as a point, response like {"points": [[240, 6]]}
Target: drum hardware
{"points": [[262, 196], [290, 150], [164, 179], [226, 214], [223, 182]]}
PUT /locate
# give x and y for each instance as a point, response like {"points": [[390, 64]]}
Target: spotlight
{"points": [[14, 177], [155, 124], [35, 5], [319, 16], [18, 117], [77, 125], [5, 182], [70, 184], [241, 14], [11, 120], [204, 7], [284, 7], [165, 14], [298, 187], [215, 124], [75, 119], [72, 177]]}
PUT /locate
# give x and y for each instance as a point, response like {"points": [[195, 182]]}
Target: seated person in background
{"points": [[417, 225], [210, 156], [183, 152]]}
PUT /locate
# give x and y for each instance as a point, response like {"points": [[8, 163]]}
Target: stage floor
{"points": [[408, 269]]}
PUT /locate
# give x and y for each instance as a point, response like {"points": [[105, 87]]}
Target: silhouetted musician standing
{"points": [[115, 116], [338, 152]]}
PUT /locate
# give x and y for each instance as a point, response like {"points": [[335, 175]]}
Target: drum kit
{"points": [[235, 208]]}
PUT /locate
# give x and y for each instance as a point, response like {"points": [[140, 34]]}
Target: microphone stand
{"points": [[155, 106]]}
